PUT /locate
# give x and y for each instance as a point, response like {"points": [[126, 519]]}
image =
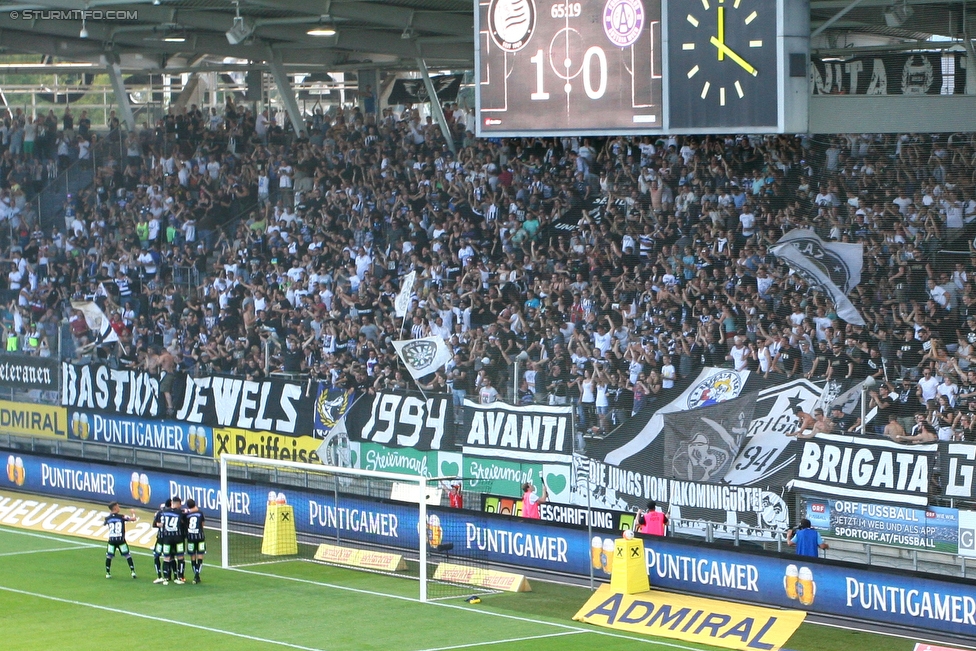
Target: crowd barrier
{"points": [[901, 598]]}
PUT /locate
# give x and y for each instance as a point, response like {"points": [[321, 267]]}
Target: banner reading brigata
{"points": [[25, 373], [866, 469]]}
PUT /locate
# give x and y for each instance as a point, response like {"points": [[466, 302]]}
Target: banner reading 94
{"points": [[562, 66]]}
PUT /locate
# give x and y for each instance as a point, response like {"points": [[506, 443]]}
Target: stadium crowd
{"points": [[609, 269]]}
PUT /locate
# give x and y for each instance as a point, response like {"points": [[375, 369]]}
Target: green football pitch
{"points": [[54, 595]]}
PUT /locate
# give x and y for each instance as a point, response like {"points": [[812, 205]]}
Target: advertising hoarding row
{"points": [[901, 598]]}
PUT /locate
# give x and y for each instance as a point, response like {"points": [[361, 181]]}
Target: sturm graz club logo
{"points": [[829, 263], [419, 354], [720, 387], [623, 21], [511, 23], [331, 405]]}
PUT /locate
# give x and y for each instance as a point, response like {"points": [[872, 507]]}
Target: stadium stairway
{"points": [[899, 558]]}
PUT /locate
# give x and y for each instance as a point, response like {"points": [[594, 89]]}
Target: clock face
{"points": [[722, 64]]}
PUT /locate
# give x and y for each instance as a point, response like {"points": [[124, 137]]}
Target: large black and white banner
{"points": [[270, 405], [958, 470], [26, 373], [114, 391], [833, 267], [403, 420], [699, 445], [534, 433], [928, 73], [414, 91], [768, 456], [869, 470]]}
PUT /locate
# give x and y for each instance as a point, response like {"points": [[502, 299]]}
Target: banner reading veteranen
{"points": [[26, 373], [866, 469], [271, 405], [403, 420], [534, 433]]}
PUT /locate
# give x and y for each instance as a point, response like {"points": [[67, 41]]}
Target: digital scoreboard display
{"points": [[563, 67]]}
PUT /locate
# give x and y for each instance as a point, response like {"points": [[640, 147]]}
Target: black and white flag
{"points": [[699, 445], [423, 356], [97, 322], [834, 267]]}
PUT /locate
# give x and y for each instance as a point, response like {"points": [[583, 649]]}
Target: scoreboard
{"points": [[563, 66], [602, 67]]}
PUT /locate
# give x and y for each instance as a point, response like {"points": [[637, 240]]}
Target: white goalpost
{"points": [[274, 511]]}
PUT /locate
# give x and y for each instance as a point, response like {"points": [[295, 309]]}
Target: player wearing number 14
{"points": [[115, 522]]}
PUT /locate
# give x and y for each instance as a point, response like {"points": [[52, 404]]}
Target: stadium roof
{"points": [[387, 34]]}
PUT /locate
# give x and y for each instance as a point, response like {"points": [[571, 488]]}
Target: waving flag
{"points": [[97, 322], [402, 303], [834, 267], [423, 356]]}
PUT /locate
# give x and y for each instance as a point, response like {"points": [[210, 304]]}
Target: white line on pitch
{"points": [[42, 551], [517, 618], [61, 539], [513, 639], [158, 619]]}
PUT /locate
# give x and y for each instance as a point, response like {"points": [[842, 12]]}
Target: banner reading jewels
{"points": [[25, 373], [271, 405]]}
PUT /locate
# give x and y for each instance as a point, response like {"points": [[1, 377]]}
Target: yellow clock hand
{"points": [[722, 47], [721, 31]]}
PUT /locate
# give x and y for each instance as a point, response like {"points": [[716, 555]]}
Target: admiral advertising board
{"points": [[29, 419], [915, 600]]}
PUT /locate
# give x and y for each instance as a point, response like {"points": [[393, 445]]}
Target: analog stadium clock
{"points": [[722, 64]]}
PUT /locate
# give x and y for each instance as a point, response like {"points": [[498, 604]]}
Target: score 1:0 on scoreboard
{"points": [[568, 66], [602, 67]]}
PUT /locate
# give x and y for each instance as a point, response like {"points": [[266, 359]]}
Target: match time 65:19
{"points": [[567, 10]]}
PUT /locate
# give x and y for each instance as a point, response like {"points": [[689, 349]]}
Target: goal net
{"points": [[281, 511]]}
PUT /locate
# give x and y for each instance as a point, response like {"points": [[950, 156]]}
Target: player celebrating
{"points": [[196, 539], [115, 522], [158, 547], [172, 523]]}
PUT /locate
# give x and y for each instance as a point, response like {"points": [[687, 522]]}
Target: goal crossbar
{"points": [[422, 482]]}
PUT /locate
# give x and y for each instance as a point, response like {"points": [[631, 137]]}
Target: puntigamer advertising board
{"points": [[902, 598]]}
